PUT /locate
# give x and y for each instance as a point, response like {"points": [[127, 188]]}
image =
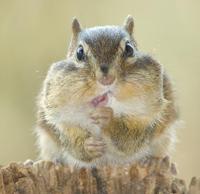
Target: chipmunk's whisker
{"points": [[81, 90]]}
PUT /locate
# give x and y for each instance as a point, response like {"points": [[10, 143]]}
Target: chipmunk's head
{"points": [[105, 60], [104, 50], [108, 56]]}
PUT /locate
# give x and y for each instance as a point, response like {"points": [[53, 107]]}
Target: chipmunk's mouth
{"points": [[100, 100]]}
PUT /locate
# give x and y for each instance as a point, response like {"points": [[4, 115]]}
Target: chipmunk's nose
{"points": [[104, 68], [106, 78]]}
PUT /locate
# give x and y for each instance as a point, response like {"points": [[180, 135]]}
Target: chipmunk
{"points": [[107, 102]]}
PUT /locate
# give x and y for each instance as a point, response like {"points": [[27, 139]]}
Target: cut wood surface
{"points": [[154, 175]]}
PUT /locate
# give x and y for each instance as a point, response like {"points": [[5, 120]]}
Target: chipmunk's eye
{"points": [[80, 53], [129, 51]]}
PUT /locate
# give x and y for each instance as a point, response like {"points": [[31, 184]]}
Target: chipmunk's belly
{"points": [[110, 157], [113, 156]]}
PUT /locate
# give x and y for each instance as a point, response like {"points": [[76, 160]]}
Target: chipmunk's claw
{"points": [[95, 147]]}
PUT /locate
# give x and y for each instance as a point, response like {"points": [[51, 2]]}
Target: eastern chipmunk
{"points": [[107, 102]]}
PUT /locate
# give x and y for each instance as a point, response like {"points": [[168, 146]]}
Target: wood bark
{"points": [[154, 175]]}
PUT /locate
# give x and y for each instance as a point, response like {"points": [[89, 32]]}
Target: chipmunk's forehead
{"points": [[103, 41]]}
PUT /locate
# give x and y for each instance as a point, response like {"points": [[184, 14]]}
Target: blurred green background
{"points": [[36, 33]]}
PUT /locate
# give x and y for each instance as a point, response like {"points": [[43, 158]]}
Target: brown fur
{"points": [[138, 77]]}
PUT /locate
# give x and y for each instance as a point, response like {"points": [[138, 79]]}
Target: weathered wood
{"points": [[44, 177]]}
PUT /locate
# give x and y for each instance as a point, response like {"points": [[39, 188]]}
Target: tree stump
{"points": [[44, 177]]}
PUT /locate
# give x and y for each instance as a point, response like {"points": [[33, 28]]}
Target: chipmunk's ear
{"points": [[129, 24], [76, 27]]}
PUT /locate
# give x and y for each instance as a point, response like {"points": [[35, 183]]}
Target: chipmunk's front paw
{"points": [[95, 147], [102, 116]]}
